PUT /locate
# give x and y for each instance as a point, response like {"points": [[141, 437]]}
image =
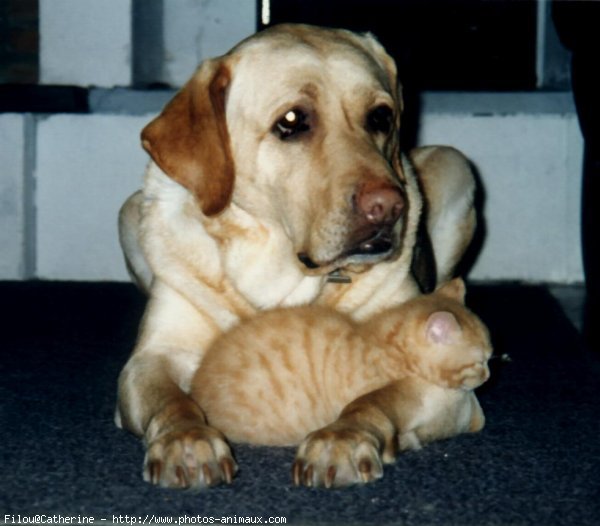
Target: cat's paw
{"points": [[193, 458], [336, 458]]}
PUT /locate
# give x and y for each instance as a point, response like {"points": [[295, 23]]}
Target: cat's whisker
{"points": [[504, 357]]}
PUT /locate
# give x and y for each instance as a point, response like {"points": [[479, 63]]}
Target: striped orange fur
{"points": [[280, 375]]}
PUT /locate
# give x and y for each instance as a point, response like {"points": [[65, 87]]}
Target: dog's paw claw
{"points": [[195, 458], [337, 458]]}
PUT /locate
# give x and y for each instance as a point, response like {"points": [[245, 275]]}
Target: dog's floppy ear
{"points": [[189, 139]]}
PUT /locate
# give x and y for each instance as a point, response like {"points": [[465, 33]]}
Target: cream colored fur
{"points": [[226, 207]]}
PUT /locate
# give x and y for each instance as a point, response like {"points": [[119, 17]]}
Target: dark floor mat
{"points": [[536, 462]]}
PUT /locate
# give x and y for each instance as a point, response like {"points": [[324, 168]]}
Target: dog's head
{"points": [[299, 126]]}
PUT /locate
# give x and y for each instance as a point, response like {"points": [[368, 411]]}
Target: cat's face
{"points": [[457, 348], [445, 341]]}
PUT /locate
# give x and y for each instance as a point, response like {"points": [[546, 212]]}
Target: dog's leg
{"points": [[353, 449], [129, 237], [448, 185], [181, 449], [371, 430]]}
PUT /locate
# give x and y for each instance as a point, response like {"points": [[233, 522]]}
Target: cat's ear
{"points": [[455, 289], [442, 327]]}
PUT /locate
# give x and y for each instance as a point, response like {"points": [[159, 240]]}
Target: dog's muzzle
{"points": [[370, 247], [380, 243], [377, 211]]}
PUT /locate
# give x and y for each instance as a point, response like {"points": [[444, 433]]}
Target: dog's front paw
{"points": [[337, 457], [198, 457]]}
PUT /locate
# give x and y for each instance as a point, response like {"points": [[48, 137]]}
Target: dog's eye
{"points": [[380, 119], [292, 123]]}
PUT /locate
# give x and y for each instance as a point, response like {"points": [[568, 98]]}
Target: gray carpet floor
{"points": [[536, 462]]}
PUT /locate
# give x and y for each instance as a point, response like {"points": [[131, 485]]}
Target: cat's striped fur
{"points": [[281, 375]]}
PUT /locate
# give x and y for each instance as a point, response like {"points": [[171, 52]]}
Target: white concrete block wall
{"points": [[201, 29], [529, 158], [13, 194], [530, 169], [86, 167], [63, 177], [86, 42], [90, 42]]}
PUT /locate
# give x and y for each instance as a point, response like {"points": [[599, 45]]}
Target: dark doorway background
{"points": [[471, 45]]}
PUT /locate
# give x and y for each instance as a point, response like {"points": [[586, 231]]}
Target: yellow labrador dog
{"points": [[275, 179]]}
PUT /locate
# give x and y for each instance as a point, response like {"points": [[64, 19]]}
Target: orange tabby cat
{"points": [[396, 381]]}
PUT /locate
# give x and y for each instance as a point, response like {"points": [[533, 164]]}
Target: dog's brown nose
{"points": [[379, 202]]}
